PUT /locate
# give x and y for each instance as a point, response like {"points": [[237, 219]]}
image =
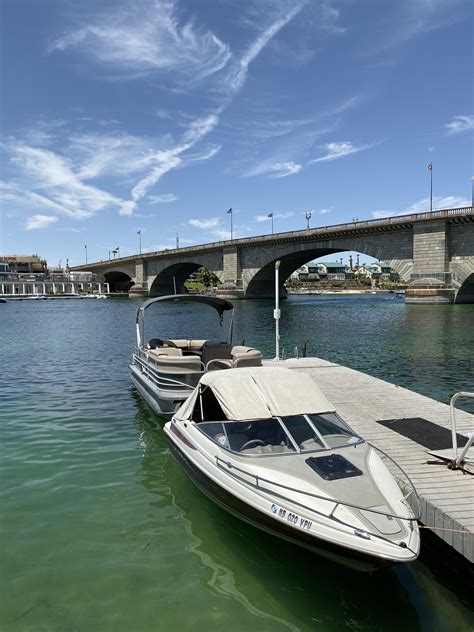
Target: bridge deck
{"points": [[446, 496]]}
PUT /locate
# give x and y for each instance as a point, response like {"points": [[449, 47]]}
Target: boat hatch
{"points": [[333, 467]]}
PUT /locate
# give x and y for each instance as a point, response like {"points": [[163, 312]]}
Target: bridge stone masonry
{"points": [[432, 252]]}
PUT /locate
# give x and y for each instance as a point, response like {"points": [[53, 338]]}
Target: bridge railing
{"points": [[383, 221]]}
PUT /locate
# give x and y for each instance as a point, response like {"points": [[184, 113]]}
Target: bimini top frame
{"points": [[219, 304]]}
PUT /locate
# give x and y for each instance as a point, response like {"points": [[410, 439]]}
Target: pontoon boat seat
{"points": [[165, 351], [216, 350], [246, 356], [186, 345], [171, 360]]}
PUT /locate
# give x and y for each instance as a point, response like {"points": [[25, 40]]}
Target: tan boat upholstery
{"points": [[246, 356], [165, 351], [177, 364], [186, 345], [196, 345]]}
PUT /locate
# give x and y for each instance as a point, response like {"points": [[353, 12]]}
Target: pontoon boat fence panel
{"points": [[219, 304]]}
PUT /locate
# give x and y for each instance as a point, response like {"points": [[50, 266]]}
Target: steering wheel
{"points": [[170, 343], [251, 442]]}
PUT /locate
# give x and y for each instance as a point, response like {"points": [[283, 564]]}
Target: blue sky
{"points": [[160, 115]]}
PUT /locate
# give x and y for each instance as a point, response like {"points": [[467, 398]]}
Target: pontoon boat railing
{"points": [[160, 380], [144, 360], [457, 460]]}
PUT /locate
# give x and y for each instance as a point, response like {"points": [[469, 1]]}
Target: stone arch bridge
{"points": [[432, 252]]}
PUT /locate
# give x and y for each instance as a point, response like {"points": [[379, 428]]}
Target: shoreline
{"points": [[350, 291]]}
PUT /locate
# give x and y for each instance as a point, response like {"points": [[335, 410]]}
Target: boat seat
{"points": [[165, 351], [196, 345], [186, 345], [266, 449], [244, 356], [215, 350], [181, 343], [166, 363]]}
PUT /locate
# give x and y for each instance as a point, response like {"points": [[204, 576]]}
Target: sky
{"points": [[159, 115]]}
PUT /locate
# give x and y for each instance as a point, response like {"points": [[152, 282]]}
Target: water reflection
{"points": [[283, 586]]}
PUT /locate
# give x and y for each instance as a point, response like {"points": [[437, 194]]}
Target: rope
{"points": [[422, 526]]}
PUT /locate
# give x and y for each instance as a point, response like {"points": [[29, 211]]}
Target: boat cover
{"points": [[260, 392]]}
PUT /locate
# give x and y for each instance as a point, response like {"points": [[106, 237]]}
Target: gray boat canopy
{"points": [[219, 304], [259, 393]]}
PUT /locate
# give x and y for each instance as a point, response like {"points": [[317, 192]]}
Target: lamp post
{"points": [[308, 217], [85, 248], [177, 241], [139, 233]]}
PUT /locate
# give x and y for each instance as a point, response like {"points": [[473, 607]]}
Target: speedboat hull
{"points": [[284, 529]]}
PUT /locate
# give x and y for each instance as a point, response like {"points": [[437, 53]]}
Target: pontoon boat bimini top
{"points": [[219, 304]]}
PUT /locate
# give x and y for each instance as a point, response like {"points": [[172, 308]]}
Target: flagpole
{"points": [[431, 187], [231, 226], [272, 223]]}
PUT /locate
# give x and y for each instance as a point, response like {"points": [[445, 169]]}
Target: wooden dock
{"points": [[446, 496]]}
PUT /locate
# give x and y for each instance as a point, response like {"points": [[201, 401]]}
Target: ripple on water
{"points": [[104, 530]]}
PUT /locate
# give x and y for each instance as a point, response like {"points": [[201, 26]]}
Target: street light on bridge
{"points": [[308, 217]]}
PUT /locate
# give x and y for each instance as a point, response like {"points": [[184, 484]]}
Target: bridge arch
{"points": [[259, 281], [465, 293], [174, 277], [118, 280]]}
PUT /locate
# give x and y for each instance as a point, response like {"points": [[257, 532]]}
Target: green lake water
{"points": [[103, 532]]}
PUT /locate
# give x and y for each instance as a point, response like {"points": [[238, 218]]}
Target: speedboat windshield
{"points": [[281, 435]]}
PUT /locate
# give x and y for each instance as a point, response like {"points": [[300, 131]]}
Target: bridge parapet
{"points": [[433, 252]]}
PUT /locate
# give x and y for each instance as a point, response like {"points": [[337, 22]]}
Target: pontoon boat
{"points": [[268, 446], [165, 371]]}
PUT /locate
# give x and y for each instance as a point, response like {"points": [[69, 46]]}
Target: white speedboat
{"points": [[166, 371], [268, 446]]}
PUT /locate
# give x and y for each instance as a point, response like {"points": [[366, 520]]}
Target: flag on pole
{"points": [[430, 166], [270, 215], [139, 232], [229, 211]]}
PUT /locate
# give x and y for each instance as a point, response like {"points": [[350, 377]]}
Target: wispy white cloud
{"points": [[61, 189], [460, 124], [237, 75], [408, 19], [144, 38], [35, 222], [324, 211], [205, 224], [164, 198], [340, 149], [423, 206], [274, 170], [148, 37]]}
